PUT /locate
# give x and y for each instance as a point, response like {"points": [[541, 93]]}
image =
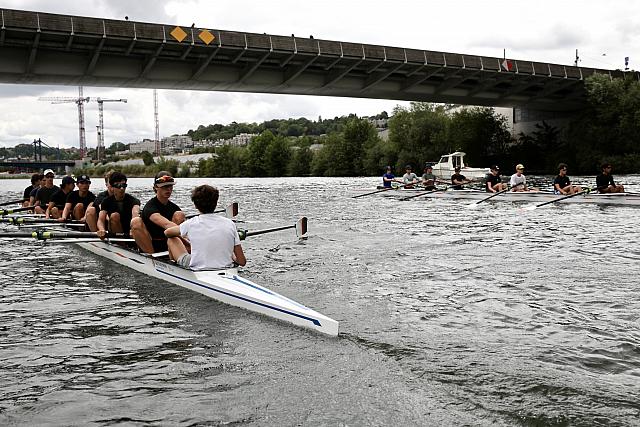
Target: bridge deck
{"points": [[59, 49]]}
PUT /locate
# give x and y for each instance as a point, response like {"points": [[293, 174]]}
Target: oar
{"points": [[384, 189], [230, 211], [44, 235], [300, 226], [474, 204], [13, 202], [4, 212], [28, 220], [425, 193], [531, 208]]}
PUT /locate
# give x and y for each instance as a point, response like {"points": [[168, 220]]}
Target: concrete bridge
{"points": [[44, 48]]}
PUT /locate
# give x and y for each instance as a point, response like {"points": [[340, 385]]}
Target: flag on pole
{"points": [[507, 65]]}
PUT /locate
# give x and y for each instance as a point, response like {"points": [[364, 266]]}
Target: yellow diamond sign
{"points": [[206, 36], [178, 34]]}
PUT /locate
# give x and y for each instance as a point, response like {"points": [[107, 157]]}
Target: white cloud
{"points": [[541, 31]]}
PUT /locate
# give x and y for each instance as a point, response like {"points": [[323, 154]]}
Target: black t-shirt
{"points": [[27, 193], [44, 195], [457, 177], [74, 198], [99, 199], [154, 206], [493, 179], [603, 181], [59, 198], [123, 207], [562, 181]]}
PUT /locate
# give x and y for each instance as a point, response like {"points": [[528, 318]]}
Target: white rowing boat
{"points": [[222, 285], [624, 199]]}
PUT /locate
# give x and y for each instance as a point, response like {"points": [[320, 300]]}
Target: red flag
{"points": [[507, 65]]}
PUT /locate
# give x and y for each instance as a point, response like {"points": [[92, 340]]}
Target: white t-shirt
{"points": [[515, 180], [212, 240], [409, 177]]}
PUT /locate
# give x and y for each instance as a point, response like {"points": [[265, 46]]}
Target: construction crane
{"points": [[80, 101], [100, 147]]}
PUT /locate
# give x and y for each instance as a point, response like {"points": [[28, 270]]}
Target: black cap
{"points": [[68, 180], [83, 178], [494, 168]]}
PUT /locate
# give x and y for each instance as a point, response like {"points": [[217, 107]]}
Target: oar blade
{"points": [[232, 210], [301, 228]]}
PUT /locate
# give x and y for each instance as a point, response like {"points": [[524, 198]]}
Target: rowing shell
{"points": [[625, 199], [223, 285]]}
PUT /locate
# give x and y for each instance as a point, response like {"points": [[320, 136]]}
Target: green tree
{"points": [[300, 163], [147, 158], [276, 157]]}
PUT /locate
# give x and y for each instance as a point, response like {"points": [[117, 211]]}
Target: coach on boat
{"points": [[159, 214]]}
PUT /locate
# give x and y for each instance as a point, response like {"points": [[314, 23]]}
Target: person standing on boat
{"points": [[458, 180], [117, 210], [605, 182], [91, 216], [36, 180], [79, 200], [45, 192], [214, 239], [518, 181], [428, 178], [159, 214], [388, 178], [59, 198], [409, 178], [493, 182], [562, 183]]}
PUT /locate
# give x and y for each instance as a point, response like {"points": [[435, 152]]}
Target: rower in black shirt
{"points": [[117, 210], [59, 198], [79, 200], [605, 182]]}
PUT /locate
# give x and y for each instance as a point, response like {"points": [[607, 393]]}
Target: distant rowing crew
{"points": [[493, 182], [206, 241]]}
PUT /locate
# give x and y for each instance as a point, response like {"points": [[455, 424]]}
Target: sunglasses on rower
{"points": [[119, 185]]}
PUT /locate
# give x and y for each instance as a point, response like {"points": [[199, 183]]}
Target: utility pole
{"points": [[577, 58], [157, 123], [100, 146]]}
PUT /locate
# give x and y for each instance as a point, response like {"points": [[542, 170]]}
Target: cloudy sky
{"points": [[546, 31]]}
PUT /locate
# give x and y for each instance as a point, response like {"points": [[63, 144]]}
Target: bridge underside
{"points": [[37, 48]]}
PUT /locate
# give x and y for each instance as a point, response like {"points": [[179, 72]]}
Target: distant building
{"points": [[378, 123], [176, 144], [145, 145]]}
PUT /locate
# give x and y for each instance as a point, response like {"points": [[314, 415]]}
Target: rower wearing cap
{"points": [[79, 200], [45, 192], [409, 178], [457, 179], [493, 182], [117, 210], [159, 214], [59, 198], [518, 181]]}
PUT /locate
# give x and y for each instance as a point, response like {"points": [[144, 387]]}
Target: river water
{"points": [[448, 316]]}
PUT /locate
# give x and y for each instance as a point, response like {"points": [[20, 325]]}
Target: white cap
{"points": [[49, 171]]}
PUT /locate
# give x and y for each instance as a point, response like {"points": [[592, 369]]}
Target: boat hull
{"points": [[622, 199], [223, 285]]}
